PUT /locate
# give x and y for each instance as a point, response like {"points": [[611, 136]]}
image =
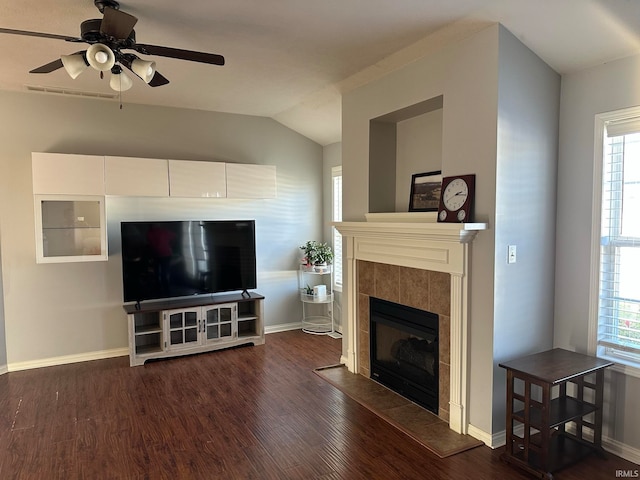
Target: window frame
{"points": [[623, 365], [337, 261]]}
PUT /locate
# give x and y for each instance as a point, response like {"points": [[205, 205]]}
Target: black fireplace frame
{"points": [[421, 323]]}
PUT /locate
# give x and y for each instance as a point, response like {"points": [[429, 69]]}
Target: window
{"points": [[336, 216], [617, 334]]}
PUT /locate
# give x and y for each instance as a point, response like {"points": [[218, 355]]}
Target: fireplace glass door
{"points": [[404, 351]]}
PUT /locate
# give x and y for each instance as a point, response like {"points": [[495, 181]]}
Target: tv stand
{"points": [[171, 328]]}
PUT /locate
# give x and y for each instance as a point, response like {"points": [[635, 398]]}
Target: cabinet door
{"points": [[181, 328], [197, 179], [251, 181], [62, 174], [136, 177], [219, 322], [70, 228]]}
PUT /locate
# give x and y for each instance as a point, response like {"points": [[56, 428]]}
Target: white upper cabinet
{"points": [[63, 174], [197, 179], [251, 181], [136, 177]]}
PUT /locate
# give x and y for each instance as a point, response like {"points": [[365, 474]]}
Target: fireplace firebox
{"points": [[404, 351]]}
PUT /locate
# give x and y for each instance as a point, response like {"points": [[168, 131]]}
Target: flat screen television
{"points": [[163, 260]]}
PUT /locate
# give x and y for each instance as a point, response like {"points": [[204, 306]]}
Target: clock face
{"points": [[455, 194]]}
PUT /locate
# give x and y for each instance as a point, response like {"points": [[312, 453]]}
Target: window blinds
{"points": [[619, 305], [336, 174]]}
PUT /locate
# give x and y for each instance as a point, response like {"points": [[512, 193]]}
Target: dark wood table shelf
{"points": [[539, 407], [561, 410]]}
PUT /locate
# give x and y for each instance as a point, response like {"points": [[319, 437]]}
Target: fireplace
{"points": [[409, 240], [404, 351]]}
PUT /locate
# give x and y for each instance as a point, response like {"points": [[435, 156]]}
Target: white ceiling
{"points": [[291, 59]]}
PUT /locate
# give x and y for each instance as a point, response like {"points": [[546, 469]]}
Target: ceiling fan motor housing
{"points": [[102, 4], [90, 33]]}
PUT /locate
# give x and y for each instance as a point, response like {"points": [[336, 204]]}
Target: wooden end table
{"points": [[540, 406]]}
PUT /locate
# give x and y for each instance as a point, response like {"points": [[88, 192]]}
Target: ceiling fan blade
{"points": [[49, 67], [117, 24], [40, 34], [158, 80], [190, 55]]}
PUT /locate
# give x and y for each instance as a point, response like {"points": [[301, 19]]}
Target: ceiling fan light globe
{"points": [[120, 82], [74, 64], [144, 69], [101, 57]]}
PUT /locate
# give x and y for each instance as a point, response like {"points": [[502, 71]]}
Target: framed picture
{"points": [[425, 191]]}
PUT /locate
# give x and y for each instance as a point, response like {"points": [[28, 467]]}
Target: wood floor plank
{"points": [[244, 413]]}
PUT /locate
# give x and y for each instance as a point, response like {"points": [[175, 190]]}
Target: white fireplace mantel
{"points": [[418, 242]]}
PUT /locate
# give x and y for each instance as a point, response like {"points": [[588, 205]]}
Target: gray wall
{"points": [[608, 87], [67, 310], [528, 111], [418, 150]]}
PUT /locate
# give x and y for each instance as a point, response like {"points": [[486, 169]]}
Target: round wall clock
{"points": [[456, 198]]}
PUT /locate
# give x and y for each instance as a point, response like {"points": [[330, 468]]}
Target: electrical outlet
{"points": [[511, 254]]}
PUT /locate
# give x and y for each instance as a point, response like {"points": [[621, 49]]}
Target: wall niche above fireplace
{"points": [[401, 143]]}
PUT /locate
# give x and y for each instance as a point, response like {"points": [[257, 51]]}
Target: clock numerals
{"points": [[455, 195]]}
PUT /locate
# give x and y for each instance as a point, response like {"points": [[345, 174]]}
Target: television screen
{"points": [[182, 258]]}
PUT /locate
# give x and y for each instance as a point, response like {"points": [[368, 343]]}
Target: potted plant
{"points": [[317, 254]]}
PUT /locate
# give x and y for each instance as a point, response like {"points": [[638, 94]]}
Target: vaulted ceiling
{"points": [[292, 59]]}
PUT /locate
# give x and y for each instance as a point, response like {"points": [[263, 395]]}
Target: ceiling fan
{"points": [[107, 38]]}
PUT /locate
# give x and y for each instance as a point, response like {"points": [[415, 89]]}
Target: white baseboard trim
{"points": [[283, 327], [496, 440], [66, 359], [3, 369], [621, 450], [116, 352], [611, 445], [481, 435]]}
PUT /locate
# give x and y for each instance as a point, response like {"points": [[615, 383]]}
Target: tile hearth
{"points": [[421, 425]]}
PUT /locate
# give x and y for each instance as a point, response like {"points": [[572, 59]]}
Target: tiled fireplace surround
{"points": [[412, 260], [423, 289]]}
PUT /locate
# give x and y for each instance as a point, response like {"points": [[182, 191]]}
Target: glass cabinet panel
{"points": [[219, 322], [70, 228], [183, 328]]}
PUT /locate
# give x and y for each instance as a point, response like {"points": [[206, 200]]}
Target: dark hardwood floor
{"points": [[247, 413]]}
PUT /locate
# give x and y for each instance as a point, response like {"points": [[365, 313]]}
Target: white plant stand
{"points": [[316, 295]]}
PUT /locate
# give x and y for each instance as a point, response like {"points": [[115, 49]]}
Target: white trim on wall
{"points": [[66, 359], [601, 120], [283, 327]]}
